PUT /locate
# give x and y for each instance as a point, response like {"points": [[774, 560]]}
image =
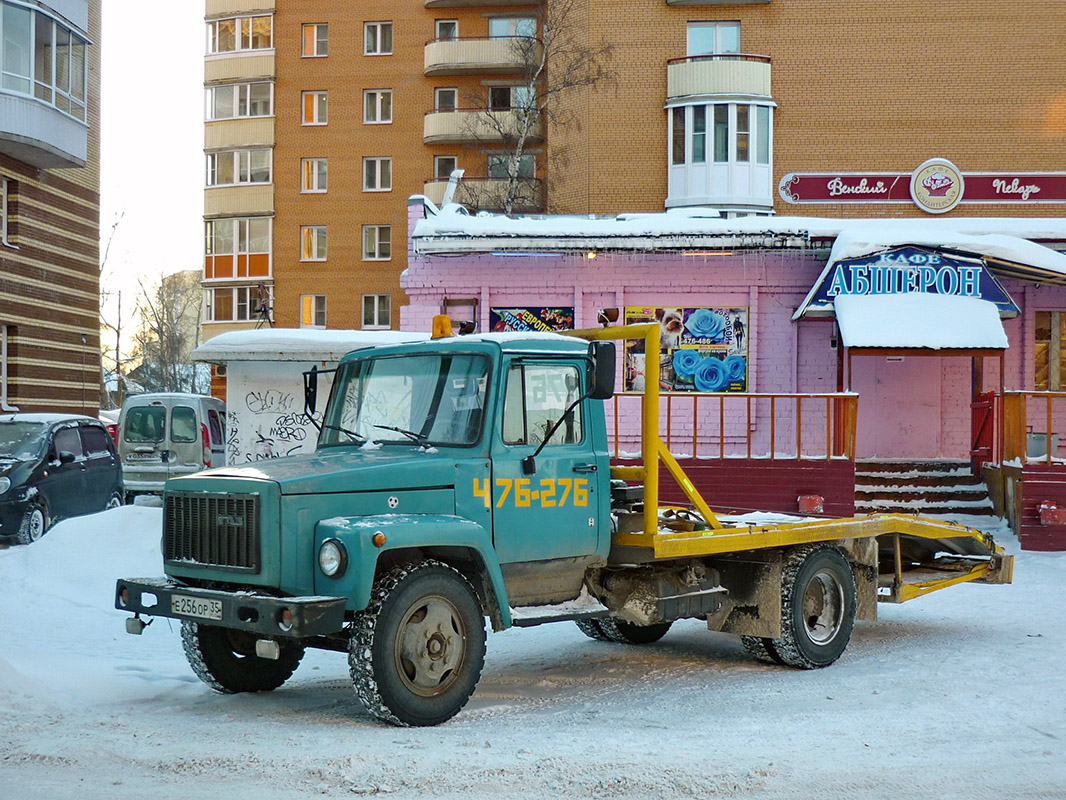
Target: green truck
{"points": [[469, 477]]}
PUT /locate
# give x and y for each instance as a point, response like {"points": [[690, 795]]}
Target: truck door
{"points": [[553, 512]]}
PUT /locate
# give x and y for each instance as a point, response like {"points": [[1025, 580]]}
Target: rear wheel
{"points": [[761, 649], [818, 603], [417, 650], [114, 501], [618, 630], [592, 629], [34, 524], [225, 659]]}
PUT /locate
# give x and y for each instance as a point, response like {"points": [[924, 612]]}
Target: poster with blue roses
{"points": [[700, 349]]}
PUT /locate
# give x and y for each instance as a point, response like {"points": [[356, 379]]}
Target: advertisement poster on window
{"points": [[700, 349], [531, 319]]}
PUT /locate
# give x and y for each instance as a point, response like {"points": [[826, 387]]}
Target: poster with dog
{"points": [[700, 349]]}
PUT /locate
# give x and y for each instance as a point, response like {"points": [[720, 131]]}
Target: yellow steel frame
{"points": [[720, 540]]}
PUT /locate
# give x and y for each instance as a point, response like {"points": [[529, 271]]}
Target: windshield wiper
{"points": [[359, 438], [420, 438]]}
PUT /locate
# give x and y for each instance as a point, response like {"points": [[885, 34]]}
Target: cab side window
{"points": [[183, 425], [536, 397], [66, 440]]}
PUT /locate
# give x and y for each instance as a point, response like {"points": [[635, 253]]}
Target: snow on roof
{"points": [[452, 230], [294, 344], [929, 321]]}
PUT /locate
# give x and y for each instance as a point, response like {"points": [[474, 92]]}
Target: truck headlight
{"points": [[332, 558], [5, 484]]}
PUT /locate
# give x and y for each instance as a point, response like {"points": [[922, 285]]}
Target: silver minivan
{"points": [[164, 435]]}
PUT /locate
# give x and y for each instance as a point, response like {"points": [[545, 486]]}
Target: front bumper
{"points": [[244, 610]]}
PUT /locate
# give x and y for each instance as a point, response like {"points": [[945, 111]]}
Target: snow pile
{"points": [[934, 321]]}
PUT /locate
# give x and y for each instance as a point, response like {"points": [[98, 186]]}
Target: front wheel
{"points": [[34, 524], [417, 650], [225, 659], [818, 604]]}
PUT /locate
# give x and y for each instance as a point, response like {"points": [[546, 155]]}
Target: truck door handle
{"points": [[584, 467]]}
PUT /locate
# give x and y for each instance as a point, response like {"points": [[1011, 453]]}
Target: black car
{"points": [[53, 466]]}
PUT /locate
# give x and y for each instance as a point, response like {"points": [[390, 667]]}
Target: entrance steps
{"points": [[938, 489]]}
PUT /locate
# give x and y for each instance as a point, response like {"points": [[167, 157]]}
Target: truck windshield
{"points": [[425, 399]]}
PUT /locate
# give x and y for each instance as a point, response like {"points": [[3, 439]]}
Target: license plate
{"points": [[142, 456], [195, 607]]}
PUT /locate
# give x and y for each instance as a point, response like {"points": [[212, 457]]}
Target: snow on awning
{"points": [[919, 321], [294, 344]]}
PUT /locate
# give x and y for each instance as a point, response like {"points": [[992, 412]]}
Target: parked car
{"points": [[110, 420], [54, 466], [165, 435]]}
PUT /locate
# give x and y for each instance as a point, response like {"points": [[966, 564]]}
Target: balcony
{"points": [[716, 2], [480, 56], [722, 74], [487, 194], [238, 201], [40, 135], [462, 125], [217, 8], [482, 3], [246, 65], [230, 133]]}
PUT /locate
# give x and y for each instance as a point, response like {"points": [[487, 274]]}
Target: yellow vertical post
{"points": [[649, 452]]}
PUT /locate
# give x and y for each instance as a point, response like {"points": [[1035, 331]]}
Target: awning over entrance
{"points": [[919, 321]]}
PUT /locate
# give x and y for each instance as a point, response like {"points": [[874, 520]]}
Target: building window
{"points": [[499, 166], [446, 99], [233, 304], [447, 29], [41, 58], [312, 311], [444, 166], [506, 98], [313, 243], [377, 106], [510, 27], [535, 397], [708, 38], [377, 174], [7, 226], [316, 40], [377, 311], [377, 242], [377, 38], [315, 108], [1049, 354], [239, 100], [314, 172], [237, 248], [242, 33], [237, 167]]}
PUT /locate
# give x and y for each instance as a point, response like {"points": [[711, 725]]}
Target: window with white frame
{"points": [[315, 108], [377, 242], [500, 166], [510, 27], [444, 166], [42, 58], [377, 311], [237, 167], [377, 174], [234, 304], [313, 243], [6, 335], [312, 311], [240, 100], [240, 33], [314, 172], [7, 227], [377, 106], [315, 40], [505, 98], [237, 248], [447, 29], [708, 38], [445, 98], [377, 38]]}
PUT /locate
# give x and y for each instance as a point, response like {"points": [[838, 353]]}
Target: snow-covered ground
{"points": [[959, 694]]}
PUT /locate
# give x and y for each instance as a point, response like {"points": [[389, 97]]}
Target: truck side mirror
{"points": [[601, 378], [310, 391]]}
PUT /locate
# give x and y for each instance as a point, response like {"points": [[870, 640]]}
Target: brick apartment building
{"points": [[323, 118], [49, 205]]}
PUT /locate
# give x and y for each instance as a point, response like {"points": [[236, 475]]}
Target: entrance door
{"points": [[901, 408]]}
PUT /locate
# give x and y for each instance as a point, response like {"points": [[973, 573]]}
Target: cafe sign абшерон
{"points": [[936, 186]]}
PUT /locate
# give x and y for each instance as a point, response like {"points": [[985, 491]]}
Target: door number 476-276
{"points": [[551, 493]]}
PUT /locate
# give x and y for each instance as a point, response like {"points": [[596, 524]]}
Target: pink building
{"points": [[771, 325]]}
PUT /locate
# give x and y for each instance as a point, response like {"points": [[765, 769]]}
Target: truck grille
{"points": [[216, 530]]}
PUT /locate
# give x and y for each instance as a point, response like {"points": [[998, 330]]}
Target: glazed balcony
{"points": [[488, 194], [228, 134], [721, 74], [238, 201], [477, 56], [247, 65], [218, 8], [473, 125]]}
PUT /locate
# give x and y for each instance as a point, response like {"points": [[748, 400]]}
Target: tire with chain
{"points": [[225, 659], [417, 650], [618, 630], [818, 604], [34, 524], [592, 629], [761, 649]]}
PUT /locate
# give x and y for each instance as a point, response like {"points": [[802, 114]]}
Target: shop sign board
{"points": [[700, 349], [910, 270], [531, 319]]}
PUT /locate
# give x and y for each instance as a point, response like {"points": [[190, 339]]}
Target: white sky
{"points": [[152, 144]]}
